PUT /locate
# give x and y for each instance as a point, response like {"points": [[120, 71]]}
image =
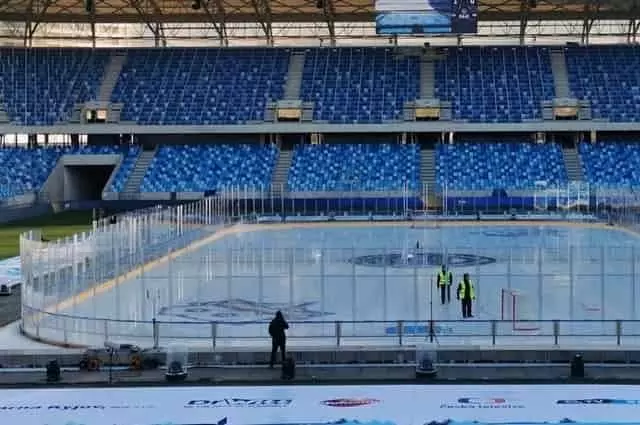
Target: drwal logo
{"points": [[239, 402], [597, 401], [350, 402], [483, 403]]}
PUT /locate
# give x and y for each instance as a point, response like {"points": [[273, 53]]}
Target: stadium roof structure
{"points": [[222, 13]]}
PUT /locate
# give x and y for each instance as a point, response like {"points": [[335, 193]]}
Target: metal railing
{"points": [[93, 332]]}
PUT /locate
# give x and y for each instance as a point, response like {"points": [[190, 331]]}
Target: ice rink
{"points": [[369, 276]]}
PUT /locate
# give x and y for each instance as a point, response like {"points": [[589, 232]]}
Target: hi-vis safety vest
{"points": [[444, 278], [463, 290]]}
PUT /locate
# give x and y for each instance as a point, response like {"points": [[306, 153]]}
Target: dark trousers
{"points": [[445, 293], [275, 346], [466, 307]]}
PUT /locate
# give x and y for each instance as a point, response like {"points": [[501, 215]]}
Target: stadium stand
{"points": [[495, 84], [123, 173], [41, 86], [488, 166], [611, 165], [606, 76], [205, 86], [359, 85], [372, 167], [201, 168], [26, 170]]}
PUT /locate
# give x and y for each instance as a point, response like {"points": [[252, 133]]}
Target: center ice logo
{"points": [[241, 310], [419, 258]]}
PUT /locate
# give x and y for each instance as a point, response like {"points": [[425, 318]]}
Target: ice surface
{"points": [[374, 274]]}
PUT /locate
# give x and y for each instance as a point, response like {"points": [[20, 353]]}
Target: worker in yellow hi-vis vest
{"points": [[444, 280], [466, 295]]}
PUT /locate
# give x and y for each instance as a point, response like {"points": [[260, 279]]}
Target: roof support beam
{"points": [[524, 19], [634, 23], [329, 12], [92, 22], [263, 12], [591, 9], [33, 20], [216, 14], [155, 26]]}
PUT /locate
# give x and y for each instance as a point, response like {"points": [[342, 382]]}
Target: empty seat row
{"points": [[365, 167], [488, 166], [202, 168], [611, 165], [347, 85]]}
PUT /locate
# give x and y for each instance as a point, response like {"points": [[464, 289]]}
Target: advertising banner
{"points": [[326, 405]]}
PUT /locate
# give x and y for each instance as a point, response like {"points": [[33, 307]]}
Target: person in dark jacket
{"points": [[277, 329]]}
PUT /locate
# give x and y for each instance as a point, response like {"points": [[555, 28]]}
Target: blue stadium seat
{"points": [[200, 86], [359, 85], [372, 167], [488, 166], [200, 168], [495, 84], [26, 170], [608, 77], [41, 86], [611, 165]]}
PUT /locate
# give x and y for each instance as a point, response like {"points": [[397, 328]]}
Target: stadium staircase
{"points": [[427, 76], [139, 171], [294, 76], [281, 171], [560, 73], [573, 164], [4, 117], [428, 176], [111, 74], [109, 79]]}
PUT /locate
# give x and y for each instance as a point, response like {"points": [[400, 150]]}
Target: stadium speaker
{"points": [[320, 4], [577, 366], [89, 6], [53, 371], [288, 369], [196, 5]]}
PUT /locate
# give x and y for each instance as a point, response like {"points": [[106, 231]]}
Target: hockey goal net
{"points": [[516, 309]]}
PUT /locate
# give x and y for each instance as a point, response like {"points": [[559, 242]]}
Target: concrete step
{"points": [[139, 171], [573, 164], [427, 79], [281, 170], [428, 167], [294, 76], [560, 73], [111, 74]]}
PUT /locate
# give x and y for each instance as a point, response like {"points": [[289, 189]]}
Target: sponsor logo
{"points": [[350, 402], [73, 407], [600, 401], [419, 330], [482, 403], [239, 402], [238, 310]]}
